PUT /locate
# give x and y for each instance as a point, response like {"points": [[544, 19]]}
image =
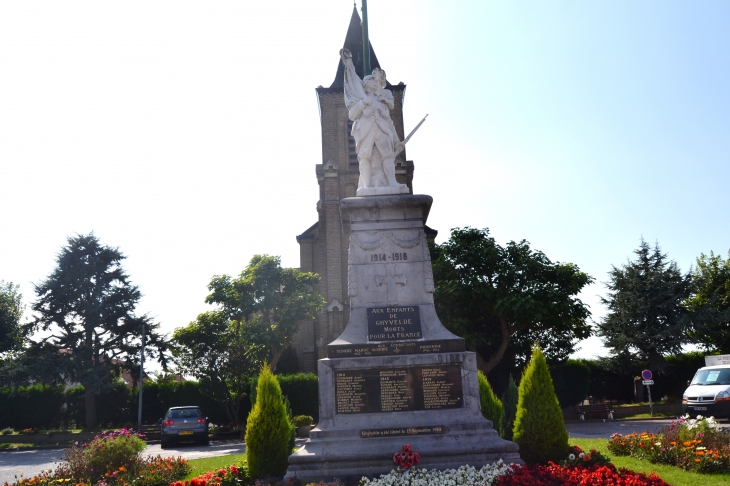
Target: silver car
{"points": [[184, 424]]}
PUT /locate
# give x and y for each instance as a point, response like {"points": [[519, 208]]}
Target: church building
{"points": [[323, 246]]}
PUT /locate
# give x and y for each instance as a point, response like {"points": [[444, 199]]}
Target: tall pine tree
{"points": [[86, 308], [646, 318]]}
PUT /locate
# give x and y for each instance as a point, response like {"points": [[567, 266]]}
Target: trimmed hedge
{"points": [[302, 391], [572, 381]]}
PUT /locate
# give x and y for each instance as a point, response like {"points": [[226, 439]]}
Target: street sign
{"points": [[646, 374], [648, 382]]}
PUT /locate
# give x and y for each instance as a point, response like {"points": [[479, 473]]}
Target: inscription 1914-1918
{"points": [[394, 323], [432, 387]]}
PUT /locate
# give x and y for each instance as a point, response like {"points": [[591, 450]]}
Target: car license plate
{"points": [[699, 408], [186, 432]]}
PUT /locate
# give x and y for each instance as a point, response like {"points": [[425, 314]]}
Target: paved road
{"points": [[30, 463], [597, 429]]}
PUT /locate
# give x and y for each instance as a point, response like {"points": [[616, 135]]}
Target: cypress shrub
{"points": [[268, 429], [491, 405], [539, 427], [509, 409]]}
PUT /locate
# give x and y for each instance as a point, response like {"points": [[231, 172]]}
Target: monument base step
{"points": [[340, 456]]}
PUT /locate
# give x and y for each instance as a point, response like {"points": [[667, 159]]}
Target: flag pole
{"points": [[365, 41]]}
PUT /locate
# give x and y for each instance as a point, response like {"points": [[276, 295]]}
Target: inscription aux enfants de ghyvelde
{"points": [[394, 323]]}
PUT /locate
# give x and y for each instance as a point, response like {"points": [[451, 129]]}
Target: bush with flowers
{"points": [[577, 457], [699, 444], [111, 459]]}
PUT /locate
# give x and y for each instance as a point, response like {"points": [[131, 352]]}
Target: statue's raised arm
{"points": [[376, 141]]}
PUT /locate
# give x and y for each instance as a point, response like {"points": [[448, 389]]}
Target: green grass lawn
{"points": [[202, 466], [672, 475]]}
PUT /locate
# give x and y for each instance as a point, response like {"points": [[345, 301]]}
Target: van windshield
{"points": [[718, 376]]}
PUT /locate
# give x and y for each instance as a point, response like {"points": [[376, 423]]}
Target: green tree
{"points": [[214, 350], [268, 429], [86, 310], [509, 409], [710, 302], [539, 427], [11, 310], [646, 318], [494, 296], [491, 405], [269, 301]]}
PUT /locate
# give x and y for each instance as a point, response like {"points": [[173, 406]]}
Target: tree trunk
{"points": [[90, 404], [487, 366], [275, 356]]}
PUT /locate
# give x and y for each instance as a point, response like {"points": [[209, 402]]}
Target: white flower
{"points": [[571, 457], [581, 455]]}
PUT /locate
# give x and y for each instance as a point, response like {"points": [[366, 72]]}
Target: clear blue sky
{"points": [[186, 133]]}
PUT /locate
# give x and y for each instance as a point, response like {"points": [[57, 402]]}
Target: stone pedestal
{"points": [[396, 375]]}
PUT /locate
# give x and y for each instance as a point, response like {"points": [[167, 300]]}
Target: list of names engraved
{"points": [[398, 389], [438, 389], [394, 391], [350, 393]]}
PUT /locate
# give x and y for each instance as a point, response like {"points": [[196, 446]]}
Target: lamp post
{"points": [[141, 380]]}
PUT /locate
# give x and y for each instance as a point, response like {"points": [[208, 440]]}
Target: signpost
{"points": [[646, 375]]}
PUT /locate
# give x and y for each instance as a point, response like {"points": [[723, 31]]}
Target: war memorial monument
{"points": [[395, 375]]}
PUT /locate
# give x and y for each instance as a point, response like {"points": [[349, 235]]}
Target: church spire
{"points": [[354, 42]]}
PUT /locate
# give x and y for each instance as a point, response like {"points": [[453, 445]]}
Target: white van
{"points": [[709, 391]]}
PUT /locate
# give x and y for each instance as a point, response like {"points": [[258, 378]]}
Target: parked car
{"points": [[184, 424], [709, 392]]}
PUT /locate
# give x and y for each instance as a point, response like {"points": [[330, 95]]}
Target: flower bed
{"points": [[700, 445], [111, 459], [485, 476], [554, 474]]}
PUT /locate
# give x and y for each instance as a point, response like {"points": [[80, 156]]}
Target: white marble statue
{"points": [[376, 141]]}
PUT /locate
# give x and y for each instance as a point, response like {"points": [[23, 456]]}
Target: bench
{"points": [[603, 409]]}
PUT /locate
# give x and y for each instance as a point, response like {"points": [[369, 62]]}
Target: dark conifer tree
{"points": [[86, 308], [646, 318]]}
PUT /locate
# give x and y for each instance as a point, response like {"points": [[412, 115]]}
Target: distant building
{"points": [[323, 246]]}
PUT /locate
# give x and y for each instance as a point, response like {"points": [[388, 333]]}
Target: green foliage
{"points": [[491, 405], [507, 297], [302, 390], [269, 301], [215, 351], [268, 429], [572, 381], [509, 409], [118, 463], [109, 452], [710, 302], [301, 420], [86, 309], [539, 428], [11, 310], [646, 319]]}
